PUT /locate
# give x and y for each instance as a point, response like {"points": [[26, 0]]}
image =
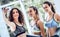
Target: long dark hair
{"points": [[20, 18], [50, 4], [35, 9]]}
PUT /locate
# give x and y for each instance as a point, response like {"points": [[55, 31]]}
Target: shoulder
{"points": [[57, 17], [56, 14], [39, 22], [12, 24]]}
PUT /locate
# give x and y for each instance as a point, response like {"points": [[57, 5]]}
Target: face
{"points": [[46, 7], [31, 12], [15, 14]]}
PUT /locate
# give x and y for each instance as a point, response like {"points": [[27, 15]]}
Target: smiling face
{"points": [[15, 13], [46, 7], [31, 12]]}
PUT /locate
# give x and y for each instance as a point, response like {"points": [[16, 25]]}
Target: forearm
{"points": [[37, 33], [42, 31], [5, 18]]}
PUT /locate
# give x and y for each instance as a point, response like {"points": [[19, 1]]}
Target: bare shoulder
{"points": [[12, 24], [57, 17], [56, 14], [39, 22]]}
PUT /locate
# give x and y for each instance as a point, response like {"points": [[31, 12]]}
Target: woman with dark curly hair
{"points": [[15, 22]]}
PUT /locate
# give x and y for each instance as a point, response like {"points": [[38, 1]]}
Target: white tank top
{"points": [[34, 27]]}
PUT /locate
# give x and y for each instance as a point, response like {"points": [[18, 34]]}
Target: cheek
{"points": [[30, 14], [17, 14], [33, 13], [46, 9], [13, 15]]}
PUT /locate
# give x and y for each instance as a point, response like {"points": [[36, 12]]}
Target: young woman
{"points": [[15, 22], [52, 18], [38, 25]]}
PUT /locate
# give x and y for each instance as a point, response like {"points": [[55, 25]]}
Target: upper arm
{"points": [[7, 20], [40, 24], [57, 17], [11, 25]]}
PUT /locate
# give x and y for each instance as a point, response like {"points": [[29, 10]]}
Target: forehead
{"points": [[30, 8], [44, 5], [15, 10]]}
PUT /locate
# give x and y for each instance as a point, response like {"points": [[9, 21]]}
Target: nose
{"points": [[15, 12]]}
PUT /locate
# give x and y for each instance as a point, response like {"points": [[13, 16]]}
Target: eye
{"points": [[16, 11], [30, 11], [13, 12], [45, 7]]}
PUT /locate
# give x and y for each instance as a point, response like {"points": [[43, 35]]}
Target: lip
{"points": [[46, 10], [16, 15]]}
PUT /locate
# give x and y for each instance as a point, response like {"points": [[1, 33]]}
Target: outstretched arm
{"points": [[10, 24]]}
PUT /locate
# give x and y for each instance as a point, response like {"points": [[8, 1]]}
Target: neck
{"points": [[16, 20], [36, 17], [50, 13]]}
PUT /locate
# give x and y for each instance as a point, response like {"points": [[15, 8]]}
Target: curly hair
{"points": [[20, 18]]}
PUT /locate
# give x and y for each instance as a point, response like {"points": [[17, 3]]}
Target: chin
{"points": [[15, 17]]}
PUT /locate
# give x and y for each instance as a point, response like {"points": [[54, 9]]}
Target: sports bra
{"points": [[51, 23], [19, 30]]}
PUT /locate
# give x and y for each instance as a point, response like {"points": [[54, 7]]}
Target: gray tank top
{"points": [[19, 30]]}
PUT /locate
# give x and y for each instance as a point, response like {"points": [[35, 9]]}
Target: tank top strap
{"points": [[37, 24], [53, 16], [15, 23], [54, 19]]}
